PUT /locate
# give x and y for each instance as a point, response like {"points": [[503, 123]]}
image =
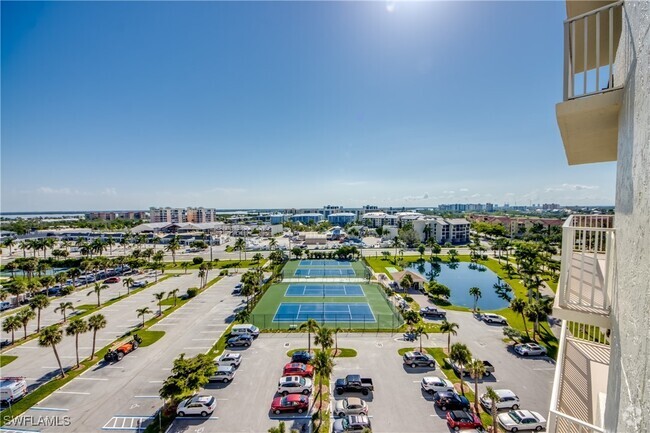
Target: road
{"points": [[111, 396], [38, 364]]}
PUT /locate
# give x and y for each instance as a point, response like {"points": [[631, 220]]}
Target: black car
{"points": [[450, 401], [240, 340], [417, 359], [301, 356]]}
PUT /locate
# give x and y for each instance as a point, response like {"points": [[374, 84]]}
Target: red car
{"points": [[298, 369], [461, 419], [291, 403], [112, 280]]}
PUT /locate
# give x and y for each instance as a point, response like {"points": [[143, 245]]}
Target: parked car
{"points": [[432, 312], [202, 405], [240, 340], [449, 400], [530, 349], [111, 280], [116, 354], [433, 384], [298, 369], [494, 318], [462, 419], [516, 420], [350, 406], [232, 359], [12, 389], [351, 423], [489, 368], [354, 383], [290, 403], [137, 284], [507, 400], [416, 359], [295, 385], [224, 373], [302, 356]]}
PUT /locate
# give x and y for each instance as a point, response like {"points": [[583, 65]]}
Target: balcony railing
{"points": [[587, 269], [590, 44], [578, 397]]}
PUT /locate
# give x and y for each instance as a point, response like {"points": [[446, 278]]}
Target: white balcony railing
{"points": [[587, 269], [590, 44]]}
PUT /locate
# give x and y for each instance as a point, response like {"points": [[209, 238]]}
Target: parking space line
{"points": [[197, 347], [156, 381], [193, 417], [146, 396], [71, 392], [91, 378], [53, 409], [203, 339]]}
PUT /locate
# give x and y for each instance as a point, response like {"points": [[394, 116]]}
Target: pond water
{"points": [[460, 276]]}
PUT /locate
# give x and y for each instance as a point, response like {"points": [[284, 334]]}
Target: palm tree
{"points": [[63, 307], [173, 246], [39, 302], [142, 312], [324, 338], [159, 297], [476, 293], [128, 283], [240, 245], [50, 337], [74, 273], [95, 323], [397, 242], [174, 294], [10, 242], [420, 331], [185, 266], [279, 429], [311, 325], [518, 306], [494, 399], [109, 242], [411, 318], [202, 276], [97, 289], [11, 324], [75, 327], [336, 340], [448, 328], [25, 315], [461, 356], [535, 311], [476, 369], [273, 243], [323, 364]]}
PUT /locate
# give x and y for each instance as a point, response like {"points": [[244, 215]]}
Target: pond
{"points": [[460, 276]]}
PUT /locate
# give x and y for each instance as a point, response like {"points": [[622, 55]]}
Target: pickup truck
{"points": [[489, 368], [432, 312], [354, 383]]}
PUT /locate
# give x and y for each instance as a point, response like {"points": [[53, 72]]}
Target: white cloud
{"points": [[570, 187], [58, 191], [463, 190], [109, 191], [416, 197]]}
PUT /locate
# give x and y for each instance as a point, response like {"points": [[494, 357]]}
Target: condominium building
{"points": [[200, 215], [167, 215], [602, 378]]}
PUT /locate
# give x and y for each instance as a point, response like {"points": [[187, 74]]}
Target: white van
{"points": [[246, 328], [12, 388]]}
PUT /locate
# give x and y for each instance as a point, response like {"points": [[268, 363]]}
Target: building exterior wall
{"points": [[628, 396], [341, 219]]}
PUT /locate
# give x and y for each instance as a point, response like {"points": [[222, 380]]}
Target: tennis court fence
{"points": [[381, 322]]}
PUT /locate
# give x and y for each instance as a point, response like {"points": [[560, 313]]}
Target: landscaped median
{"points": [[6, 359], [148, 338]]}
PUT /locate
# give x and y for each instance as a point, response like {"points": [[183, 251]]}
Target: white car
{"points": [[350, 406], [494, 318], [232, 359], [433, 384], [507, 400], [530, 349], [202, 405], [294, 385], [516, 420], [224, 373]]}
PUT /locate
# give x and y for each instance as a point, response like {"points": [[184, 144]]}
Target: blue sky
{"points": [[118, 105]]}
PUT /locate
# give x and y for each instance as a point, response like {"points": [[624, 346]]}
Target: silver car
{"points": [[224, 373], [351, 406]]}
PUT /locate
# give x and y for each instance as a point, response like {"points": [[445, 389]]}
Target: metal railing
{"points": [[590, 333], [597, 32], [587, 267], [559, 422]]}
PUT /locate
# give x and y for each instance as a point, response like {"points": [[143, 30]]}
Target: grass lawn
{"points": [[6, 359], [343, 353], [263, 314], [150, 337], [221, 264]]}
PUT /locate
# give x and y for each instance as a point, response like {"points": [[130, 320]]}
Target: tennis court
{"points": [[324, 290], [324, 312], [324, 272], [339, 263]]}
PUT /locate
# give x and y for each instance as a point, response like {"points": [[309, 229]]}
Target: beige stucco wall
{"points": [[628, 401]]}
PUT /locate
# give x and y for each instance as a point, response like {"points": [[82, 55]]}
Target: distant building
{"points": [[200, 215], [341, 218], [307, 218], [116, 215]]}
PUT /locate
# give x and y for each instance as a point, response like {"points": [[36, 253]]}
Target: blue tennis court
{"points": [[324, 290], [324, 312], [323, 272], [324, 263]]}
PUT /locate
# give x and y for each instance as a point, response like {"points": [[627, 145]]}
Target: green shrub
{"points": [[197, 260], [223, 273], [192, 292], [407, 298]]}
